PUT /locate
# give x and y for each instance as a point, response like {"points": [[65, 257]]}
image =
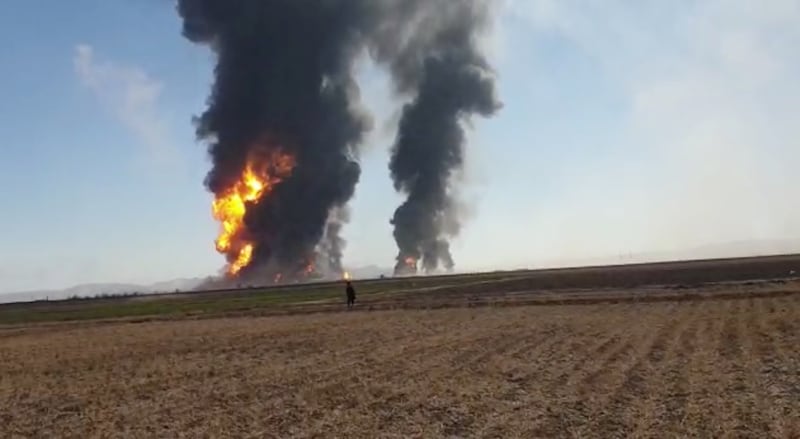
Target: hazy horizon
{"points": [[627, 128], [722, 250]]}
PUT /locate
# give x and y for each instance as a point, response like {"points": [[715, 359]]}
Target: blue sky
{"points": [[627, 127]]}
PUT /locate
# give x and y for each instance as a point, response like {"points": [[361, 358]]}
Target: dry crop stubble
{"points": [[688, 368]]}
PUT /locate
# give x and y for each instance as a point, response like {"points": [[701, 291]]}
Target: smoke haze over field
{"points": [[675, 131]]}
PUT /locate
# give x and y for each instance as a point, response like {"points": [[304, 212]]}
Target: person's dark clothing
{"points": [[351, 295]]}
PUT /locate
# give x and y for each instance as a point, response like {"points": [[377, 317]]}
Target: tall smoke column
{"points": [[284, 83], [450, 80], [331, 247]]}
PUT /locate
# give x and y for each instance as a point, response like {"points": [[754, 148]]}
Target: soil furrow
{"points": [[703, 406], [628, 390], [665, 392]]}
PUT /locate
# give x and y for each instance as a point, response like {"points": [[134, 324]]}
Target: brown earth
{"points": [[722, 361]]}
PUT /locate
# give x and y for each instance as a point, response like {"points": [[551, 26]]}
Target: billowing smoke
{"points": [[284, 86], [449, 78], [283, 81], [331, 248]]}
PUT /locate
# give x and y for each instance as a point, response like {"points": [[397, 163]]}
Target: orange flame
{"points": [[242, 260], [346, 275], [411, 262], [261, 173]]}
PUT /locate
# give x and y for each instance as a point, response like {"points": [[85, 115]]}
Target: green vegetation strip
{"points": [[210, 303]]}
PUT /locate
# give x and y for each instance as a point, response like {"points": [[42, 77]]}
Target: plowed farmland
{"points": [[724, 366]]}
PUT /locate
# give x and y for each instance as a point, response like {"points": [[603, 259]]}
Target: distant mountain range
{"points": [[186, 284], [96, 289]]}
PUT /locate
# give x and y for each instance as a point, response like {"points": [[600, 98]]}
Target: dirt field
{"points": [[719, 367]]}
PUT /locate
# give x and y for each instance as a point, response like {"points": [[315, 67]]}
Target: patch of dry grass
{"points": [[709, 368]]}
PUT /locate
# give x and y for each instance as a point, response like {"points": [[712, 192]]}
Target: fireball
{"points": [[259, 177]]}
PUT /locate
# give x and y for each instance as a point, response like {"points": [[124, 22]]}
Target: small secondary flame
{"points": [[260, 175]]}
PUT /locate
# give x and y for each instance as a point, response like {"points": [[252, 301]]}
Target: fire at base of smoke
{"points": [[285, 72]]}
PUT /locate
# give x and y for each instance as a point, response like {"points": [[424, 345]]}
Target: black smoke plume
{"points": [[450, 79], [284, 80]]}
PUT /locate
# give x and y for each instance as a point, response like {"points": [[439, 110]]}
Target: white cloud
{"points": [[132, 95]]}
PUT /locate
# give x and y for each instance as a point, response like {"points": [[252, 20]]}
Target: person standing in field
{"points": [[351, 295]]}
